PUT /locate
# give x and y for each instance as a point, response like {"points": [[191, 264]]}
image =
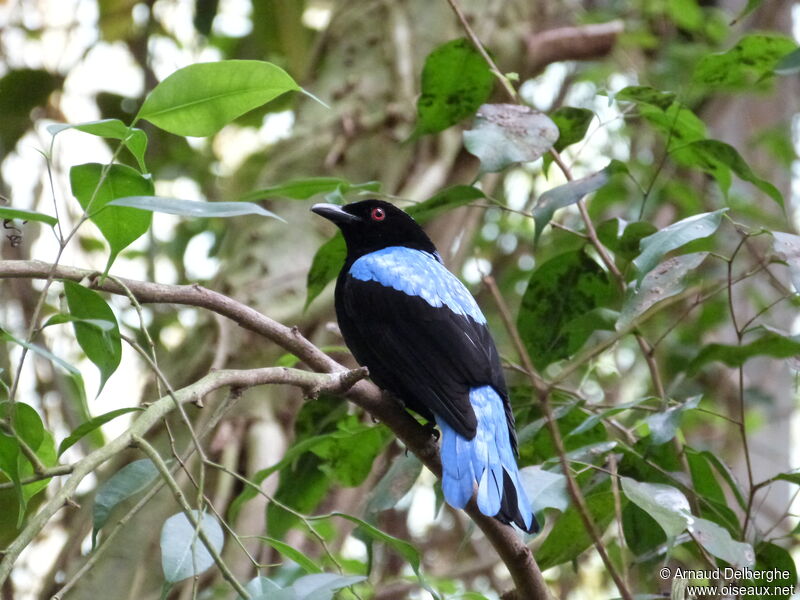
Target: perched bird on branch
{"points": [[420, 333]]}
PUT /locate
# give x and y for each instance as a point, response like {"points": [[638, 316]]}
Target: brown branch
{"points": [[584, 42], [510, 547]]}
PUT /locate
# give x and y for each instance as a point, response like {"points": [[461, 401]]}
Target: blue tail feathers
{"points": [[488, 460]]}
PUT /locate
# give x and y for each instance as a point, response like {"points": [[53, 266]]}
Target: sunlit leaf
{"points": [[87, 427], [201, 99], [6, 212], [183, 554], [95, 186], [134, 139], [302, 189], [103, 348], [444, 200], [455, 82], [504, 134], [666, 504], [754, 56]]}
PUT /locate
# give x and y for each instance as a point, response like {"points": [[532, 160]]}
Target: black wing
{"points": [[428, 356]]}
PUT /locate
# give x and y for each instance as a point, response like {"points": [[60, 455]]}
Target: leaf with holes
{"points": [[504, 134]]}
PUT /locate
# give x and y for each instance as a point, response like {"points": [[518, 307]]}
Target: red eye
{"points": [[378, 214]]}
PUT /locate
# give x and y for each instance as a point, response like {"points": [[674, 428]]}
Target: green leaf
{"points": [[134, 139], [774, 562], [444, 200], [307, 563], [130, 480], [623, 238], [727, 475], [664, 425], [653, 247], [318, 586], [593, 419], [569, 538], [103, 348], [348, 453], [770, 344], [504, 134], [572, 123], [789, 64], [325, 266], [182, 553], [564, 195], [119, 225], [642, 533], [678, 124], [753, 57], [718, 159], [7, 212], [302, 189], [713, 504], [749, 7], [787, 247], [545, 489], [560, 291], [30, 429], [201, 99], [87, 427], [642, 94], [193, 208], [718, 542], [72, 372], [455, 82], [667, 279], [666, 504], [22, 90], [395, 484]]}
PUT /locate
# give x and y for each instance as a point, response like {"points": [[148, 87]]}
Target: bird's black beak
{"points": [[334, 213]]}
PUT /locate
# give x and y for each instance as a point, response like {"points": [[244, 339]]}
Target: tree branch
{"points": [[584, 42], [509, 545]]}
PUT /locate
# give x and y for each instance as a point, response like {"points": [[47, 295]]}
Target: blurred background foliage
{"points": [[639, 82]]}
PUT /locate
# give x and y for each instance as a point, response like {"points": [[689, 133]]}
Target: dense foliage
{"points": [[632, 245]]}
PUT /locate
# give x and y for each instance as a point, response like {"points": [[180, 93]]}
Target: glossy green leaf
{"points": [[678, 124], [302, 189], [769, 344], [293, 554], [713, 505], [719, 159], [727, 474], [572, 123], [325, 266], [103, 348], [666, 504], [349, 452], [119, 225], [91, 425], [718, 542], [789, 64], [787, 247], [134, 139], [193, 208], [504, 134], [565, 195], [569, 538], [672, 237], [6, 212], [201, 99], [664, 425], [753, 57], [666, 280], [593, 419], [13, 462], [130, 480], [545, 489], [183, 554], [622, 238], [560, 291], [455, 82]]}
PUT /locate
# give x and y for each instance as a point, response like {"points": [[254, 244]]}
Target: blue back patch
{"points": [[417, 273]]}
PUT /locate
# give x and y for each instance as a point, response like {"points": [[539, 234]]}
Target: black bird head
{"points": [[371, 225]]}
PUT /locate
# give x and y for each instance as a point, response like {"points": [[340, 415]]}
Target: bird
{"points": [[423, 338]]}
